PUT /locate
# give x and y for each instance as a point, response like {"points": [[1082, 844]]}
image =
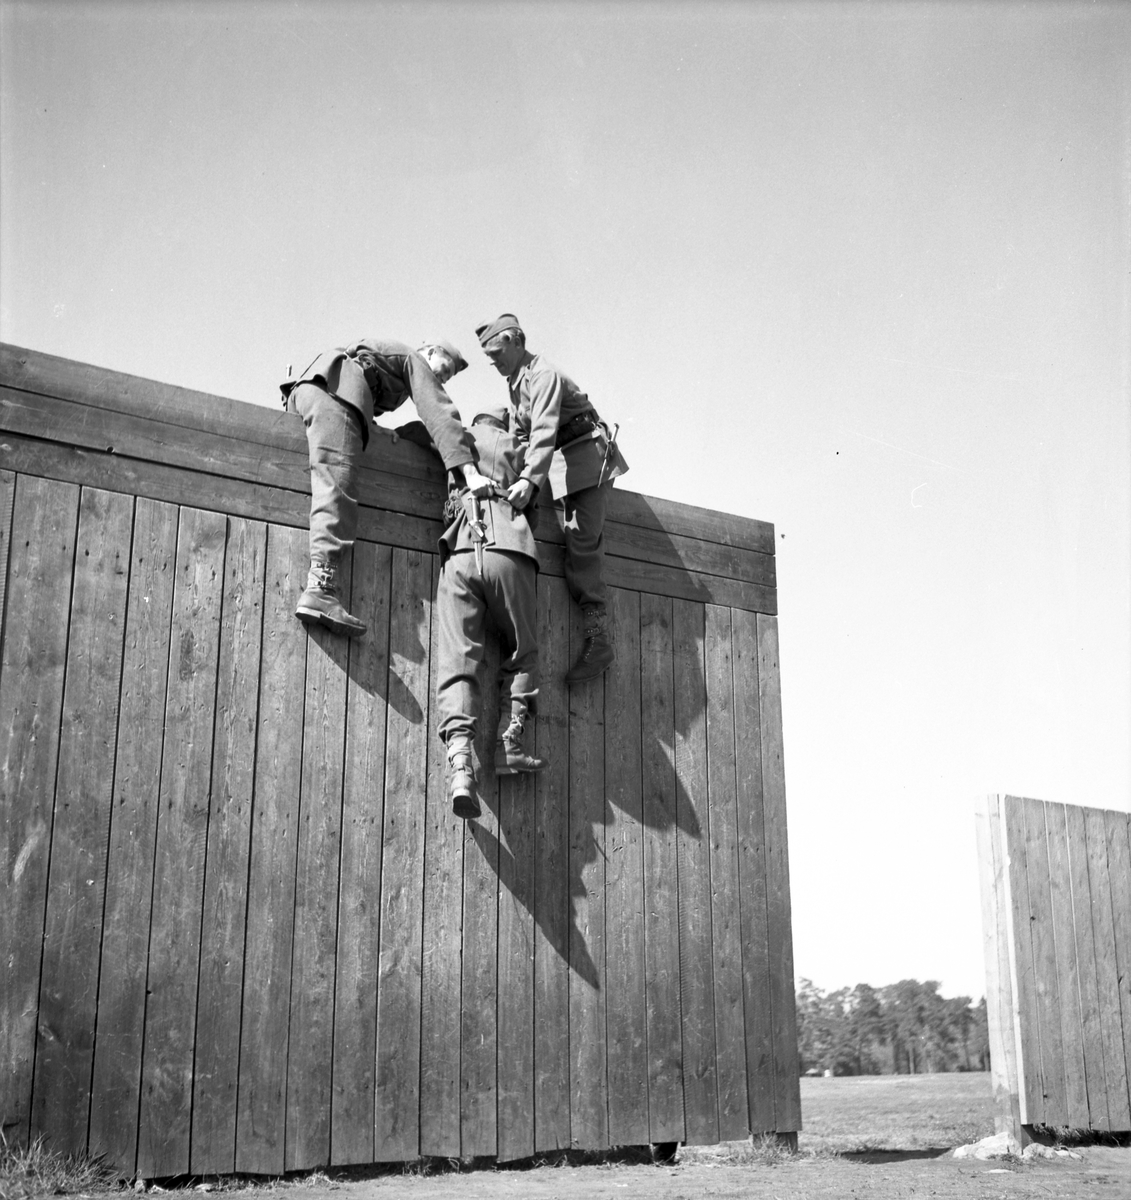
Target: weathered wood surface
{"points": [[243, 930], [1056, 901], [997, 940]]}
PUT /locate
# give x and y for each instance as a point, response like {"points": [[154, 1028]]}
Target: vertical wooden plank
{"points": [[179, 861], [84, 783], [133, 830], [624, 884], [442, 963], [31, 699], [1023, 980], [7, 502], [1093, 1103], [1110, 1021], [1119, 873], [359, 908], [993, 877], [260, 1130], [310, 1059], [589, 1122], [752, 874], [1053, 1092], [726, 904], [551, 877], [479, 1006], [1067, 967], [661, 919], [518, 815], [783, 1002], [696, 966], [397, 1099], [216, 1071]]}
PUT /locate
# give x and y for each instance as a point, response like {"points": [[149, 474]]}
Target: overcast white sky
{"points": [[858, 269]]}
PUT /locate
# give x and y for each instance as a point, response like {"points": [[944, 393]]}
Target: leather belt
{"points": [[576, 427]]}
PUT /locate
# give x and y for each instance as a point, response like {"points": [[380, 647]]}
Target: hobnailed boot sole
{"points": [[465, 806]]}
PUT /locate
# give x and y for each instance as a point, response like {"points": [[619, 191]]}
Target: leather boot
{"points": [[597, 655], [321, 603], [461, 779], [510, 757]]}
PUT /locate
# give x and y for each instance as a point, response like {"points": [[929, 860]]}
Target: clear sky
{"points": [[858, 269]]}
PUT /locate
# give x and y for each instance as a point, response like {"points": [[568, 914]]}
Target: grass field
{"points": [[895, 1112]]}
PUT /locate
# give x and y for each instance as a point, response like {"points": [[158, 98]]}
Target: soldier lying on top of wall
{"points": [[337, 397]]}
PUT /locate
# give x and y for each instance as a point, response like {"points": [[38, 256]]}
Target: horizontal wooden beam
{"points": [[258, 431], [284, 506], [130, 435]]}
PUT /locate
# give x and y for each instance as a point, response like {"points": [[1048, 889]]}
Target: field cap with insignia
{"points": [[499, 325]]}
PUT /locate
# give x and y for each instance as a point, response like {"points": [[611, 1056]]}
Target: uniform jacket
{"points": [[378, 375], [543, 399], [501, 457]]}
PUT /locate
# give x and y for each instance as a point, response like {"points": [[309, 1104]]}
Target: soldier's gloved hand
{"points": [[477, 485], [519, 494]]}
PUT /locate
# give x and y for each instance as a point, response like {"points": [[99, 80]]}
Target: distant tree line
{"points": [[904, 1029]]}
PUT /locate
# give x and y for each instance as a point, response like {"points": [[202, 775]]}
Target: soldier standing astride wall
{"points": [[337, 397], [569, 445], [489, 568]]}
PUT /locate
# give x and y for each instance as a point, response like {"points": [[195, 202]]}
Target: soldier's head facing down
{"points": [[503, 342], [443, 359], [498, 416]]}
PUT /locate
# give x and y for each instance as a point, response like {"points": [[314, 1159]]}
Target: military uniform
{"points": [[569, 448], [337, 397], [487, 569]]}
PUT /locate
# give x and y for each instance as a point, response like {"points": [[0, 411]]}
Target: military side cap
{"points": [[497, 415], [451, 352], [492, 330]]}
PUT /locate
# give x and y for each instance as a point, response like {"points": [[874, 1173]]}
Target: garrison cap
{"points": [[450, 351], [497, 414], [500, 324]]}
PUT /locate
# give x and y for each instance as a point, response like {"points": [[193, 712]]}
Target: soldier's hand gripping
{"points": [[477, 485], [519, 494]]}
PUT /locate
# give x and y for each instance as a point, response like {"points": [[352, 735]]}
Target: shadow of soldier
{"points": [[396, 623], [582, 846]]}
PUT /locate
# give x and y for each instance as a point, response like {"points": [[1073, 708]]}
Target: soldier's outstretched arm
{"points": [[440, 416]]}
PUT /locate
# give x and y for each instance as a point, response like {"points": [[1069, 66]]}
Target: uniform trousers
{"points": [[334, 439], [464, 599], [581, 517]]}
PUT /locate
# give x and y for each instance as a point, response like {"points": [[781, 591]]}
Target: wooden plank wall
{"points": [[1056, 902], [241, 930]]}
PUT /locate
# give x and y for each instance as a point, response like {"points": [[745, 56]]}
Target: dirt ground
{"points": [[881, 1138], [878, 1137], [1102, 1173]]}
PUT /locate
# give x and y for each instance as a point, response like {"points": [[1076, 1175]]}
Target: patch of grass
{"points": [[1063, 1137], [35, 1170], [765, 1150], [849, 1114]]}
